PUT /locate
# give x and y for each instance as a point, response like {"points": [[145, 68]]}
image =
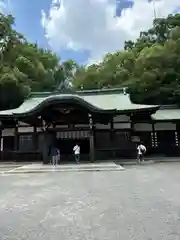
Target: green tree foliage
{"points": [[24, 67], [149, 66]]}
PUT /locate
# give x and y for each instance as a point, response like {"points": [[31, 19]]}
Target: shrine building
{"points": [[105, 123]]}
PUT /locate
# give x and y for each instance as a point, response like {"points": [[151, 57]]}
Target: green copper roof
{"points": [[94, 100], [167, 113]]}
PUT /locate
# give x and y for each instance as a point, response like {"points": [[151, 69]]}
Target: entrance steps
{"points": [[41, 168]]}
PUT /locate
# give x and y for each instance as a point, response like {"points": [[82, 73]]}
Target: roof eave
{"points": [[151, 109]]}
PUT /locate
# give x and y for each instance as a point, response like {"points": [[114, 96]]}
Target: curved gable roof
{"points": [[102, 101]]}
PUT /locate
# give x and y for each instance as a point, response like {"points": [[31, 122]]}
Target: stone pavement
{"points": [[141, 203], [41, 168], [148, 160], [9, 166], [4, 167]]}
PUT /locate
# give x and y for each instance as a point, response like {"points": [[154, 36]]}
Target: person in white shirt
{"points": [[76, 151], [141, 150]]}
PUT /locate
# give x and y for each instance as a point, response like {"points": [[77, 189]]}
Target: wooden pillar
{"points": [[35, 138], [112, 137], [16, 138], [112, 129], [132, 131], [134, 138], [45, 148], [1, 137], [132, 124], [1, 142], [91, 139], [45, 142]]}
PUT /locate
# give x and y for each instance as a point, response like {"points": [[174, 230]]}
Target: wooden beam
{"points": [[16, 137], [91, 139], [35, 138], [1, 146]]}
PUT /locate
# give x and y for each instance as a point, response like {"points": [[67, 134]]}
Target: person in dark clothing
{"points": [[54, 154]]}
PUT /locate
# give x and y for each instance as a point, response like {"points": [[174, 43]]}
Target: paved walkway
{"points": [[141, 203], [40, 168], [148, 160], [8, 166]]}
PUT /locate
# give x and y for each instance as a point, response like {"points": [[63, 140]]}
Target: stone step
{"points": [[10, 166], [62, 170], [35, 168]]}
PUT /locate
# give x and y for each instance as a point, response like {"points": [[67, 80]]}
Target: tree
{"points": [[24, 67], [149, 66]]}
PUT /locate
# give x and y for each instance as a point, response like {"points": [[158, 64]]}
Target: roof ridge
{"points": [[103, 90], [79, 92]]}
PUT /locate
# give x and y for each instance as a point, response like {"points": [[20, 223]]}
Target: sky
{"points": [[85, 30]]}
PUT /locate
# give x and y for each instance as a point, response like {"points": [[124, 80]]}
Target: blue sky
{"points": [[28, 14]]}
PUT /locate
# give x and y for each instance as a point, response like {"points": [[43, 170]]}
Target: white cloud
{"points": [[92, 25], [2, 6]]}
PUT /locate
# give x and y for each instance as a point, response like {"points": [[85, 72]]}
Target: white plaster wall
{"points": [[2, 144], [122, 125], [23, 124], [165, 126], [39, 129], [143, 127], [102, 126], [135, 138], [121, 118], [61, 126], [8, 132], [81, 125], [25, 129]]}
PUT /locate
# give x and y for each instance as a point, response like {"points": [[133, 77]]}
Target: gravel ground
{"points": [[140, 203]]}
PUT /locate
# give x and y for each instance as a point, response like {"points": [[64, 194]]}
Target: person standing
{"points": [[141, 150], [76, 151], [58, 156], [53, 152]]}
